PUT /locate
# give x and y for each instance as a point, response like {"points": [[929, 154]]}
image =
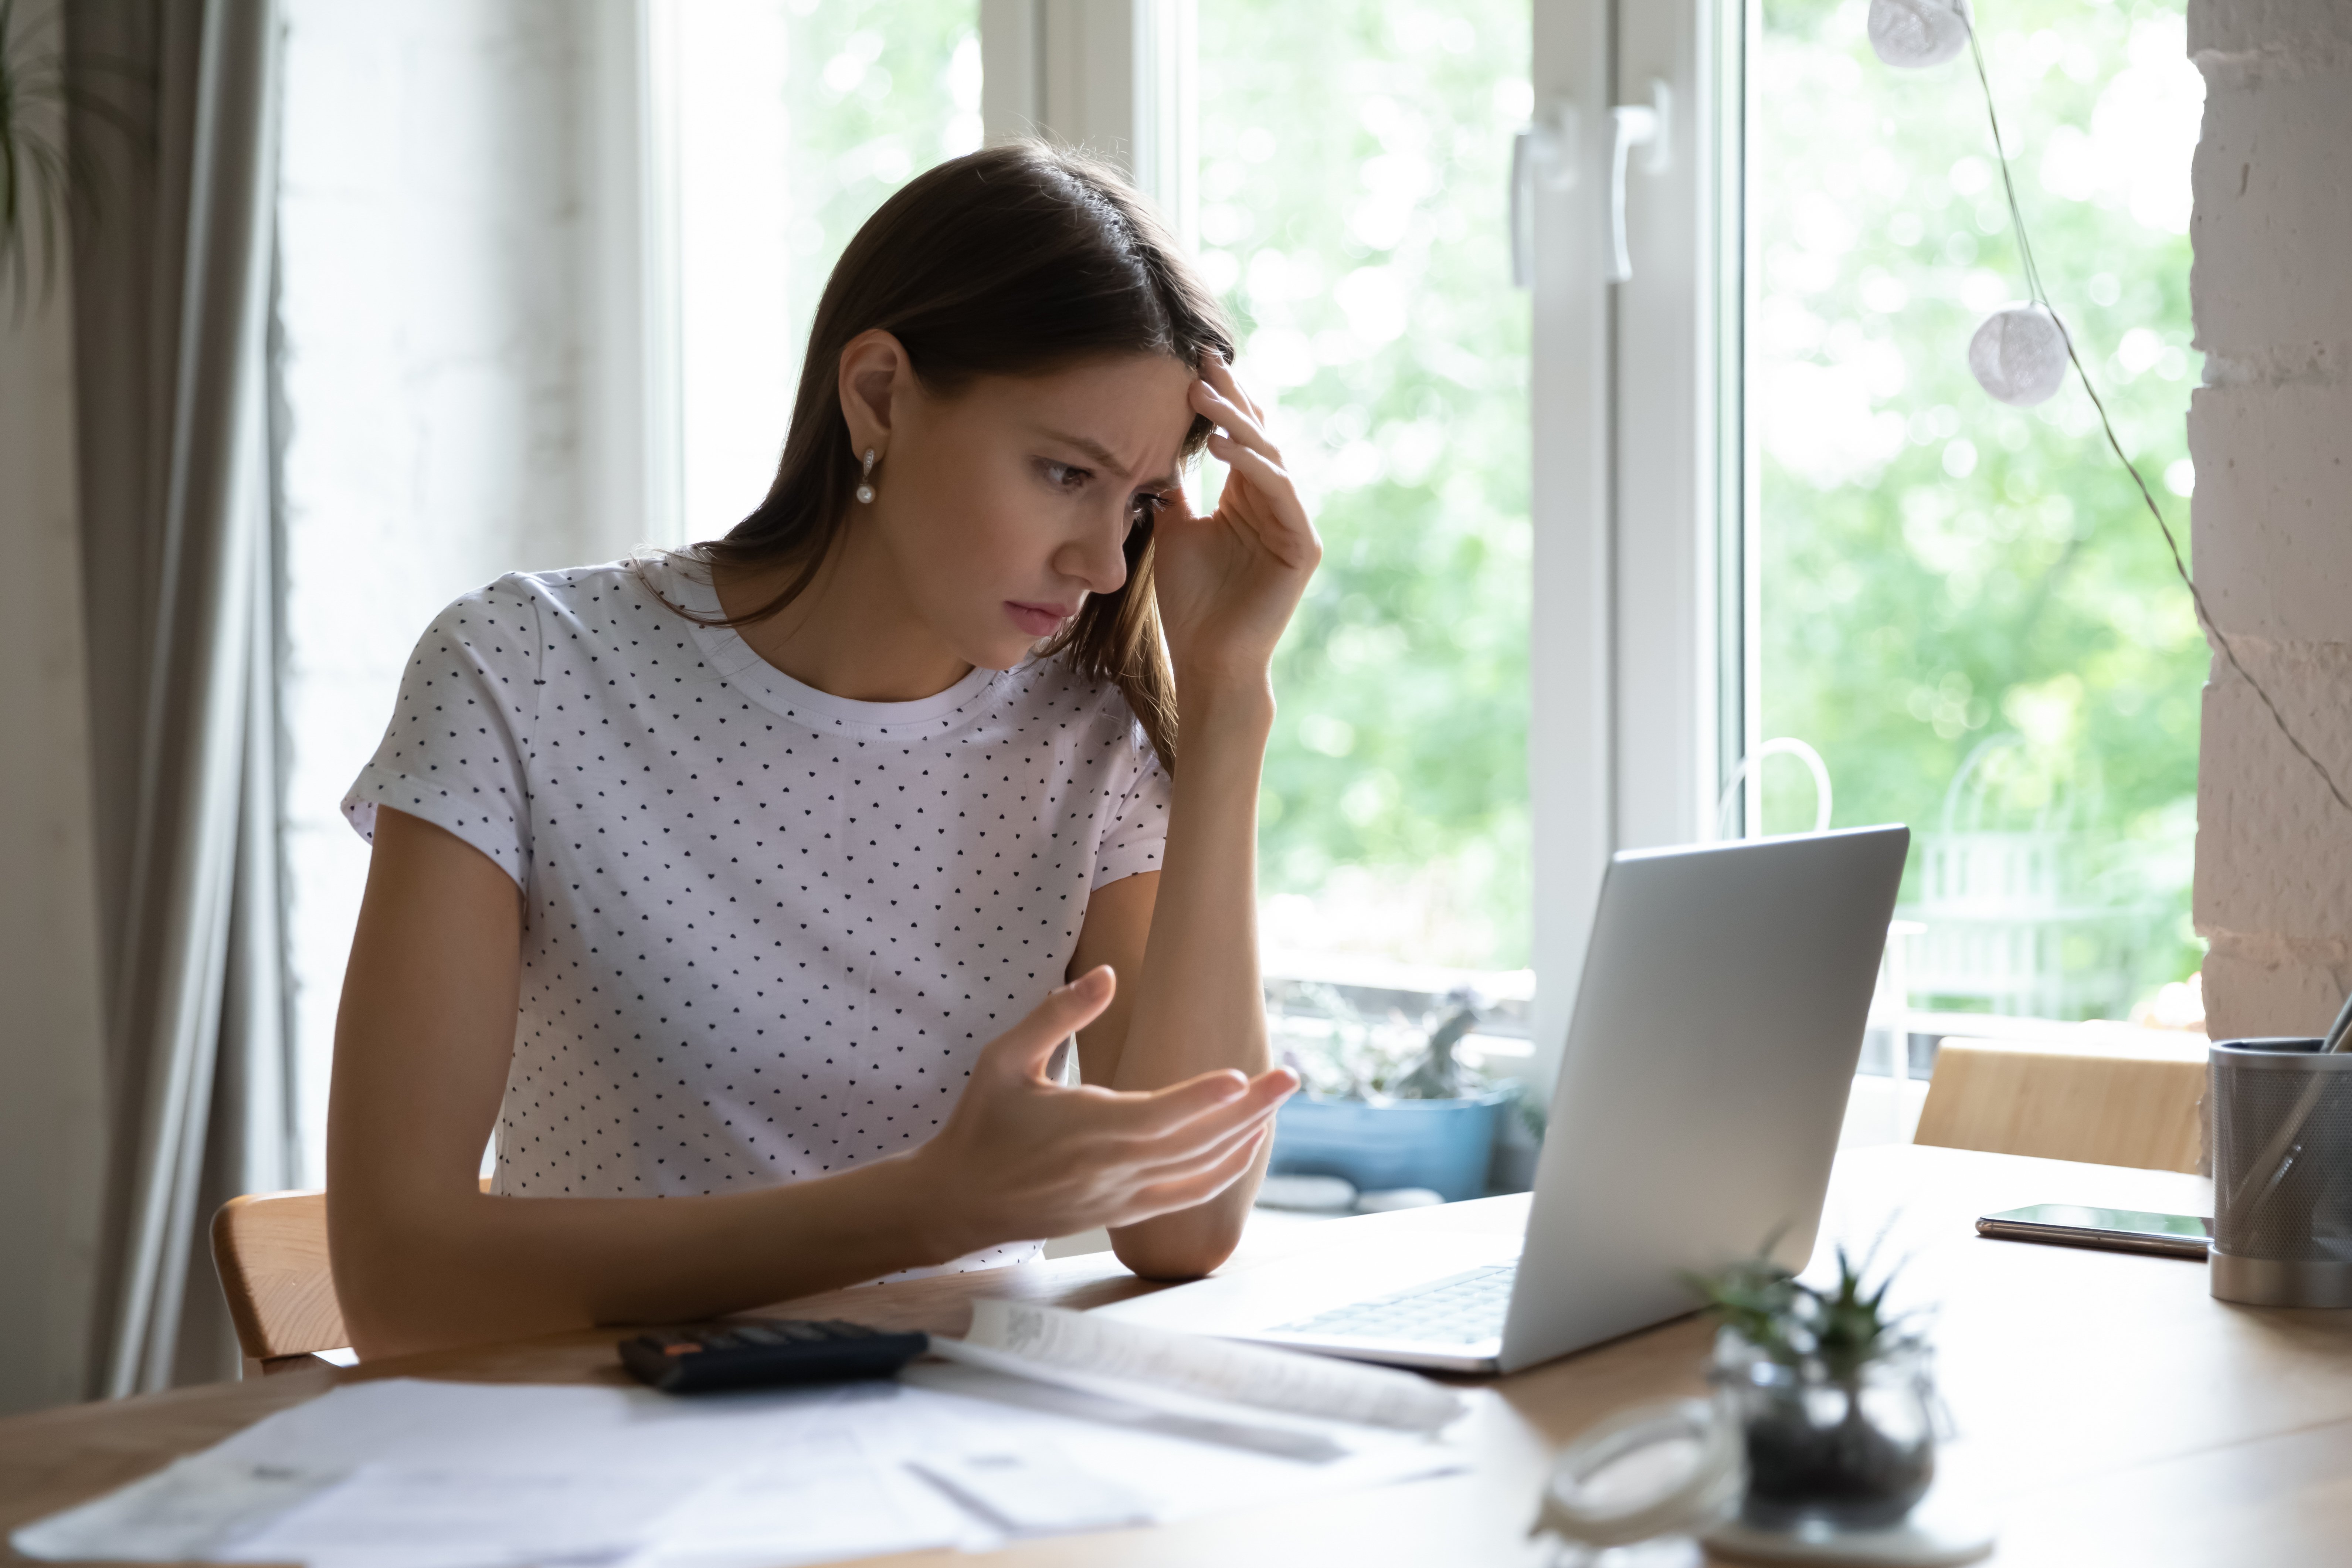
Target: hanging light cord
{"points": [[2041, 298]]}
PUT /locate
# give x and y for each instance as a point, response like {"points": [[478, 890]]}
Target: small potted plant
{"points": [[1387, 1104], [1837, 1408]]}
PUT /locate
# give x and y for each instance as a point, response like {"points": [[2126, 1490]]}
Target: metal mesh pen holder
{"points": [[2282, 1174]]}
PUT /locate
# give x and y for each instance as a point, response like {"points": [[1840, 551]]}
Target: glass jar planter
{"points": [[1851, 1452]]}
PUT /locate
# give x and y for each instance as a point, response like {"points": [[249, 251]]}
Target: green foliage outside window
{"points": [[1353, 161], [879, 90], [1351, 177], [1937, 570], [1940, 570]]}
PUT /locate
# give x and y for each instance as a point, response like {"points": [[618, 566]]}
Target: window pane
{"points": [[1965, 606], [1353, 214], [797, 120]]}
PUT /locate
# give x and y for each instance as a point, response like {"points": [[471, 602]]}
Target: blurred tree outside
{"points": [[795, 120], [878, 91], [1946, 579], [1352, 160], [1354, 156]]}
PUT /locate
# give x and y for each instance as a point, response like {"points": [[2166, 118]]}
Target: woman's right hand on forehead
{"points": [[1228, 582], [1022, 1156]]}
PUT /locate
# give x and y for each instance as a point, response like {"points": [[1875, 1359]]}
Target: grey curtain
{"points": [[176, 112]]}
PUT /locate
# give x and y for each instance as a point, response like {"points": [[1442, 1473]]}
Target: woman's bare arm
{"points": [[1116, 929], [1189, 934], [423, 1258], [1226, 584]]}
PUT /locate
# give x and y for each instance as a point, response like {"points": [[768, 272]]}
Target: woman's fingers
{"points": [[1184, 1164], [1238, 422], [1220, 376], [1205, 1139], [1283, 524], [1024, 1048], [1190, 1191], [1196, 1112], [1243, 444]]}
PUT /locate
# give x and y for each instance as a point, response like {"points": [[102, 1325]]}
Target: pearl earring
{"points": [[866, 480]]}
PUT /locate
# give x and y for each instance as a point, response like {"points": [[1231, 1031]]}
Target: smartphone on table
{"points": [[2119, 1230]]}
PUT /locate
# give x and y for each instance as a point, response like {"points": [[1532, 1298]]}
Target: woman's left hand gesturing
{"points": [[1227, 583]]}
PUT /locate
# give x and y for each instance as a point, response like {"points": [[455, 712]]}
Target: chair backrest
{"points": [[271, 1251], [2125, 1101]]}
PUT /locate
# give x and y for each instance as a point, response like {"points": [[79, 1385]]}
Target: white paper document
{"points": [[392, 1516], [1178, 1474], [1139, 1405], [190, 1507], [1033, 1488], [444, 1475], [819, 1493], [402, 1473], [1206, 1368]]}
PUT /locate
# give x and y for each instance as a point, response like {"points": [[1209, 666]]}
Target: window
{"points": [[794, 120], [1965, 609], [1723, 555], [1764, 500], [1354, 219], [1353, 216]]}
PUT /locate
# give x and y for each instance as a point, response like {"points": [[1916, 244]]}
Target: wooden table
{"points": [[2111, 1410]]}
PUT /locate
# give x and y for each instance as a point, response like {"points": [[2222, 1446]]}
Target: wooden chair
{"points": [[2129, 1097], [271, 1251]]}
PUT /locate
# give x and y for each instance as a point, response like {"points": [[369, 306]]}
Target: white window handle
{"points": [[1633, 125], [1543, 154]]}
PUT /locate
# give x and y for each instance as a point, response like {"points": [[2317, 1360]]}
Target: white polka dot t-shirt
{"points": [[767, 929]]}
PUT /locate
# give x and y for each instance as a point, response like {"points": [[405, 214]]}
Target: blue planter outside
{"points": [[1440, 1144]]}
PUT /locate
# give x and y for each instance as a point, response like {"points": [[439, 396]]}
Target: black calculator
{"points": [[766, 1352]]}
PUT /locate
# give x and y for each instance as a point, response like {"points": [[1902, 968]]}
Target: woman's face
{"points": [[1003, 506]]}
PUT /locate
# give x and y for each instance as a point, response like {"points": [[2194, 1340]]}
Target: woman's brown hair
{"points": [[1015, 261]]}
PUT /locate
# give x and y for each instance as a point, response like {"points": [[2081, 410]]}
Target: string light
{"points": [[2020, 353], [1912, 35]]}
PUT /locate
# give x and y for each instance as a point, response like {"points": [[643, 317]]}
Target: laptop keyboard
{"points": [[1462, 1309]]}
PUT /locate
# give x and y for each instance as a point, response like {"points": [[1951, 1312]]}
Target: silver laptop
{"points": [[1697, 1108]]}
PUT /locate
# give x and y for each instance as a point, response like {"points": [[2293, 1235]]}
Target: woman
{"points": [[767, 878]]}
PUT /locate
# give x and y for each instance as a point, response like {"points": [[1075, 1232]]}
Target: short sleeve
{"points": [[1136, 832], [457, 754]]}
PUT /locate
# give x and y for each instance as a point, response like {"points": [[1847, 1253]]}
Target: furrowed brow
{"points": [[1096, 452]]}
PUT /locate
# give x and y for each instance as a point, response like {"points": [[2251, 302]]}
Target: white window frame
{"points": [[1114, 78], [1639, 583], [631, 359]]}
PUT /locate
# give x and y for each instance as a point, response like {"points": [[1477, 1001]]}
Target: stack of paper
{"points": [[433, 1475]]}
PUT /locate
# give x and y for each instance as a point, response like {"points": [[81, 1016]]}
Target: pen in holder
{"points": [[2281, 1173]]}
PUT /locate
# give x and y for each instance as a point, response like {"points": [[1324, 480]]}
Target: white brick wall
{"points": [[439, 298], [2271, 435], [2274, 483]]}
